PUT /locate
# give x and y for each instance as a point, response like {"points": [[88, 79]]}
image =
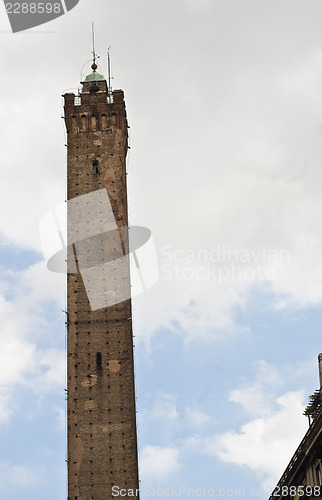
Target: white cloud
{"points": [[61, 418], [54, 362], [259, 162], [233, 168], [195, 6], [160, 462], [40, 285], [197, 417], [49, 375], [157, 463], [266, 443], [5, 405], [17, 355], [24, 324], [165, 406], [22, 475], [257, 397]]}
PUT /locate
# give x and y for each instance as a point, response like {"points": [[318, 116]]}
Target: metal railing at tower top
{"points": [[300, 452]]}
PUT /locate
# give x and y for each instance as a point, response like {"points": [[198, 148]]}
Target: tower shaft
{"points": [[102, 443]]}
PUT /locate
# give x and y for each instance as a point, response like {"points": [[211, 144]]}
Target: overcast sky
{"points": [[224, 101]]}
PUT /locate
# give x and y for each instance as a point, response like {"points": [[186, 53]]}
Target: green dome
{"points": [[94, 77]]}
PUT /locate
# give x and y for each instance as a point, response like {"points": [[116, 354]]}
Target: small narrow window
{"points": [[99, 360], [95, 167]]}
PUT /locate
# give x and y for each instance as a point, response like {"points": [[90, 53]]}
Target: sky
{"points": [[224, 101]]}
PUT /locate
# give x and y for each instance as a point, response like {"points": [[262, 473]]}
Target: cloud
{"points": [[264, 445], [17, 355], [165, 407], [197, 417], [266, 442], [233, 169], [195, 6], [5, 405], [257, 397], [258, 163], [157, 463], [21, 475], [61, 418], [26, 327], [53, 368]]}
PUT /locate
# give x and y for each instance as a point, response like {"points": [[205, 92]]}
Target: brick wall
{"points": [[102, 443]]}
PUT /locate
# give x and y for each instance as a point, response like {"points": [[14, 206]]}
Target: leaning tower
{"points": [[102, 442]]}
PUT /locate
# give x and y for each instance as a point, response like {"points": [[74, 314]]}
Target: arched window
{"points": [[93, 122], [95, 167], [83, 122], [104, 122]]}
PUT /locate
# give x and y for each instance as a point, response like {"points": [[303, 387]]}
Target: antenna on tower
{"points": [[109, 69], [93, 40], [109, 78], [95, 56]]}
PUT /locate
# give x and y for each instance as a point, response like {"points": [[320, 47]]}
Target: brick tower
{"points": [[102, 443]]}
